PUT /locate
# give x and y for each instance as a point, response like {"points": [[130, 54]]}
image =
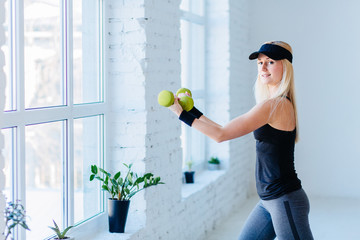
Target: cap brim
{"points": [[271, 55], [272, 51], [254, 55]]}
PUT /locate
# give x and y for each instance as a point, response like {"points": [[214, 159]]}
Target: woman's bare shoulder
{"points": [[282, 115]]}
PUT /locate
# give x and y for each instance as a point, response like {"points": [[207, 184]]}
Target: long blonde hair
{"points": [[286, 87]]}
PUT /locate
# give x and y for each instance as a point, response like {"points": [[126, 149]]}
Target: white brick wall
{"points": [[144, 55]]}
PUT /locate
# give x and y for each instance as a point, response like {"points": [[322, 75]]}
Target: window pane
{"points": [[43, 161], [193, 143], [87, 145], [6, 50], [197, 7], [197, 57], [86, 51], [185, 5], [42, 53], [192, 55], [193, 77], [198, 140], [185, 49], [8, 154], [193, 6]]}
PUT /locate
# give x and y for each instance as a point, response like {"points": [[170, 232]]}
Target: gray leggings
{"points": [[285, 218]]}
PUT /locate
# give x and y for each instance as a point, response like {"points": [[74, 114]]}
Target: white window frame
{"points": [[21, 117], [200, 94]]}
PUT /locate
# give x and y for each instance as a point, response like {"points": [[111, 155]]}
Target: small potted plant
{"points": [[121, 189], [189, 174], [14, 215], [61, 234], [214, 163]]}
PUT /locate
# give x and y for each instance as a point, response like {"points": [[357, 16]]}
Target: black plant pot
{"points": [[189, 177], [118, 211]]}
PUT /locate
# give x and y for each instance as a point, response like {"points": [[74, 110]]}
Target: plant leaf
{"points": [[57, 227], [12, 225], [117, 175], [24, 225], [124, 187], [106, 181], [148, 175], [56, 231], [157, 180], [94, 169], [92, 176], [105, 172], [145, 182], [130, 179], [66, 230], [113, 182], [121, 181], [105, 187], [99, 178]]}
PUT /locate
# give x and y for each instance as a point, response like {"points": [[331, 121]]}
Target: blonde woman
{"points": [[283, 208]]}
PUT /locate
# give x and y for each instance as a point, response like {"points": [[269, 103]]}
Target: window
{"points": [[193, 73], [55, 111]]}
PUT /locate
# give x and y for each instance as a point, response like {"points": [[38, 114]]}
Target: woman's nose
{"points": [[264, 67]]}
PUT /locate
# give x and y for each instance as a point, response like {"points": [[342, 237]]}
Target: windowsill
{"points": [[97, 228], [202, 180]]}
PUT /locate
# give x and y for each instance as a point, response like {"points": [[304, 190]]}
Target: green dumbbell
{"points": [[186, 101], [166, 98]]}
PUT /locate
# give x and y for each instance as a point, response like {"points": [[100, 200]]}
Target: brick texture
{"points": [[143, 58]]}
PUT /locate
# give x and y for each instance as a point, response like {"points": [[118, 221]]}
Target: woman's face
{"points": [[270, 71]]}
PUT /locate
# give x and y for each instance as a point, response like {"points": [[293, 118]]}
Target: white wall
{"points": [[143, 58], [325, 38]]}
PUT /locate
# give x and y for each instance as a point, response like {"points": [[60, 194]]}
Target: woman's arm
{"points": [[209, 121], [240, 126]]}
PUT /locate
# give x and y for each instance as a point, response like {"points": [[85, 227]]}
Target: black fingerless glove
{"points": [[195, 112], [187, 118]]}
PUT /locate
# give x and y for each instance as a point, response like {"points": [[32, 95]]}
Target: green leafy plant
{"points": [[214, 160], [123, 188], [189, 165], [14, 215], [60, 234]]}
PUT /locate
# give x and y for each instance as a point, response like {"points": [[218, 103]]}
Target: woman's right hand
{"points": [[176, 107]]}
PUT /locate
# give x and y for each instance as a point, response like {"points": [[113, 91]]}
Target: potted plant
{"points": [[14, 215], [189, 174], [61, 234], [214, 163], [121, 189]]}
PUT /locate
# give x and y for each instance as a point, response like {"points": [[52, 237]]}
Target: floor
{"points": [[330, 219]]}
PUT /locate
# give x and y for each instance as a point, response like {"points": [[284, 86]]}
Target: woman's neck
{"points": [[273, 90]]}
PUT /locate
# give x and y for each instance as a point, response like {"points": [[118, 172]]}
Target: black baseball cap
{"points": [[273, 51]]}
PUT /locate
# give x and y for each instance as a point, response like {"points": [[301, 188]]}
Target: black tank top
{"points": [[275, 171]]}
